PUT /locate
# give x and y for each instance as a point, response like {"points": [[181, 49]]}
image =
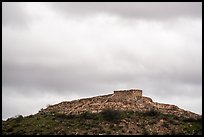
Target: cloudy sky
{"points": [[54, 52]]}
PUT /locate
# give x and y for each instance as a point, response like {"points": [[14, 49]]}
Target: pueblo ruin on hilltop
{"points": [[120, 100]]}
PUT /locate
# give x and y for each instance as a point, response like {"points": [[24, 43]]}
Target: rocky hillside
{"points": [[123, 112], [117, 102]]}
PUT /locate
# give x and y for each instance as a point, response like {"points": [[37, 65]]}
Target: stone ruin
{"points": [[132, 94]]}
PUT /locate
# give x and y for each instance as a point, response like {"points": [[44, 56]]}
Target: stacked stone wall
{"points": [[128, 94]]}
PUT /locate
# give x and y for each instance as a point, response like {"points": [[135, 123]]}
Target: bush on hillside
{"points": [[111, 115], [152, 112]]}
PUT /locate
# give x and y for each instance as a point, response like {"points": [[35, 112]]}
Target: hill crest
{"points": [[124, 100]]}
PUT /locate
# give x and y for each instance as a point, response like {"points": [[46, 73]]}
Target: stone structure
{"points": [[120, 100], [132, 94]]}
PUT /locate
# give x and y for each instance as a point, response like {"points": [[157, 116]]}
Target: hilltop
{"points": [[123, 112]]}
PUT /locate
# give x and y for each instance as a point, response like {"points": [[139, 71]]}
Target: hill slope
{"points": [[108, 114]]}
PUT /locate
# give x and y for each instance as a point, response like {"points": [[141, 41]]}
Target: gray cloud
{"points": [[142, 10], [61, 58], [13, 14]]}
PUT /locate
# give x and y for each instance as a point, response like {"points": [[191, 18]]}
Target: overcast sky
{"points": [[54, 52]]}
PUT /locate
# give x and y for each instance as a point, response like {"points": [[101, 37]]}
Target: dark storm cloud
{"points": [[143, 10]]}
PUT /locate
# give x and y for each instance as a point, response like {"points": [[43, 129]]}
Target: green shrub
{"points": [[18, 118], [10, 129], [63, 116], [152, 112], [87, 115], [145, 132], [165, 124], [111, 115], [192, 120], [20, 132]]}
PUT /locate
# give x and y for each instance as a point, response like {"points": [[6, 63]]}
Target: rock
{"points": [[120, 100]]}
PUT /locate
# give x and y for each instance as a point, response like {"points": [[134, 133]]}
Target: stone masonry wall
{"points": [[131, 94]]}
